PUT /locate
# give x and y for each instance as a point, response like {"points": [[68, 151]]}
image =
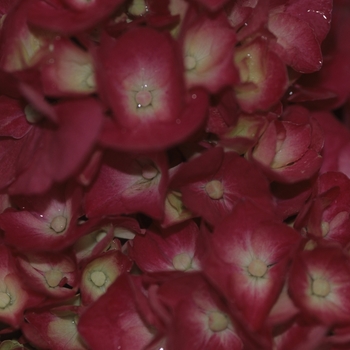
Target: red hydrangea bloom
{"points": [[103, 235], [113, 322], [46, 152], [263, 76], [248, 259], [212, 184], [46, 222], [301, 336], [300, 27], [68, 70], [100, 272], [197, 318], [54, 328], [129, 183], [336, 144], [208, 44], [21, 47], [51, 275], [319, 285], [11, 289], [328, 88], [175, 249], [326, 215], [140, 75], [289, 149]]}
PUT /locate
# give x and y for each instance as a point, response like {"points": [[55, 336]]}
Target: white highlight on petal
{"points": [[182, 262], [58, 224], [218, 321], [53, 277], [98, 278], [320, 287], [214, 189], [5, 300], [257, 268]]}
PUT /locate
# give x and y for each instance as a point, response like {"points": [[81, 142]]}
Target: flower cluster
{"points": [[175, 174]]}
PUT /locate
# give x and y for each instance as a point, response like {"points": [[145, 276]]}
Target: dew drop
{"points": [[194, 96], [178, 121]]}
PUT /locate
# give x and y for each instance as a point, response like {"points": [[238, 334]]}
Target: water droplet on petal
{"points": [[194, 96], [178, 121]]}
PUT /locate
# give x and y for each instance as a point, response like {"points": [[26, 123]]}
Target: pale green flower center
{"points": [[98, 278], [214, 189], [59, 224], [218, 321], [182, 262], [320, 287], [257, 268]]}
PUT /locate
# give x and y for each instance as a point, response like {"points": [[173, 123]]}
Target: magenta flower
{"points": [[129, 183], [146, 91], [248, 260], [49, 222], [289, 149], [120, 314], [174, 249], [174, 174], [227, 179], [319, 285]]}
